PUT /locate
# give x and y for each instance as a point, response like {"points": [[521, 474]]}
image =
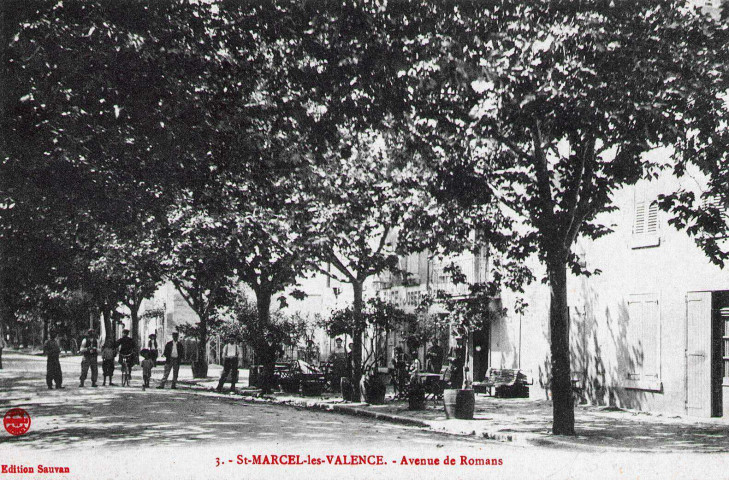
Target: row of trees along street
{"points": [[226, 143]]}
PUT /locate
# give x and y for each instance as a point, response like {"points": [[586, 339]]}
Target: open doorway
{"points": [[481, 343], [719, 351]]}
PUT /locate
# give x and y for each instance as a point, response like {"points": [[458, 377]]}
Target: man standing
{"points": [[338, 362], [434, 361], [89, 350], [53, 365], [125, 345], [230, 364], [173, 354]]}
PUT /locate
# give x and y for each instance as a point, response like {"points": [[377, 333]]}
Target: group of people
{"points": [[126, 349], [406, 369]]}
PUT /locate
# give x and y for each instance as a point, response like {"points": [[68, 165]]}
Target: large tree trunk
{"points": [[108, 328], [357, 288], [202, 347], [265, 351], [562, 401], [134, 314]]}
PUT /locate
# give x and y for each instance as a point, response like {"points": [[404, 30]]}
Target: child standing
{"points": [[147, 366], [107, 360]]}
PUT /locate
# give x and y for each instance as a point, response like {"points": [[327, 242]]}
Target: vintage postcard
{"points": [[364, 239]]}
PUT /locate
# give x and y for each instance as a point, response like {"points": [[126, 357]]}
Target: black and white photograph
{"points": [[314, 239]]}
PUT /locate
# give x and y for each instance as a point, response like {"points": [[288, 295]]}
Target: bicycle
{"points": [[126, 368]]}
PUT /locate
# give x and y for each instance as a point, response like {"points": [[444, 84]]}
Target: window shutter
{"points": [[650, 340], [651, 221], [639, 219], [633, 333], [645, 224], [643, 335], [715, 201]]}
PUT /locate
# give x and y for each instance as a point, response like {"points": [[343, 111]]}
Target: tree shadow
{"points": [[601, 354], [129, 417]]}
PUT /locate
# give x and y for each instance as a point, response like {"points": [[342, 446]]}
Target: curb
{"points": [[326, 407], [514, 438], [386, 417]]}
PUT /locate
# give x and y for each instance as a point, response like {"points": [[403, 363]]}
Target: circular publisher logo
{"points": [[16, 421]]}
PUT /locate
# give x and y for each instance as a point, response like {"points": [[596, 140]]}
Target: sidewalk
{"points": [[529, 421]]}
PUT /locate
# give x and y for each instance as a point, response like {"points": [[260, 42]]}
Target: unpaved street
{"points": [[109, 432]]}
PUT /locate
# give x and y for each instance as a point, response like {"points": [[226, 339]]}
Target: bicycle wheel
{"points": [[126, 374]]}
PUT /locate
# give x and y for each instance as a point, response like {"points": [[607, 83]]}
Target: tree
{"points": [[549, 107], [85, 147], [125, 269], [365, 200], [200, 264], [96, 102]]}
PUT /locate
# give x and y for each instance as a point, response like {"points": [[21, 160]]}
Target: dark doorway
{"points": [[480, 353], [719, 349]]}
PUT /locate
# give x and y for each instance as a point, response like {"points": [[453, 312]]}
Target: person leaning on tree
{"points": [[174, 351], [89, 349], [53, 364]]}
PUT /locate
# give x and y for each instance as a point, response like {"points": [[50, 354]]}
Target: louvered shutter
{"points": [[651, 219], [646, 225], [639, 219]]}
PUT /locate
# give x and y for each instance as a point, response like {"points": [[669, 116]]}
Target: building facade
{"points": [[648, 331]]}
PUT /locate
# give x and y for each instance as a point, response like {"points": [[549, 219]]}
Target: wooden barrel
{"points": [[346, 389], [375, 388], [459, 403], [253, 374]]}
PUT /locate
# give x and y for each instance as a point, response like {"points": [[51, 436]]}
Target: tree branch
{"points": [[186, 295], [544, 188], [328, 274], [513, 147], [383, 240], [576, 193], [340, 266]]}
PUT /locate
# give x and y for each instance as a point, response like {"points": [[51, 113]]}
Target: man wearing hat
{"points": [[125, 344], [338, 362], [89, 350], [230, 364], [53, 365], [174, 352]]}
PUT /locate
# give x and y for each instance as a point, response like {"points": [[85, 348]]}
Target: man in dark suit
{"points": [[173, 354], [53, 366]]}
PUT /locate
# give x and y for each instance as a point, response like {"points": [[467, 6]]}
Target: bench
{"points": [[506, 382]]}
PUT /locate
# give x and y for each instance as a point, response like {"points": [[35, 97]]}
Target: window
{"points": [[715, 204], [413, 298], [643, 342], [645, 224]]}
